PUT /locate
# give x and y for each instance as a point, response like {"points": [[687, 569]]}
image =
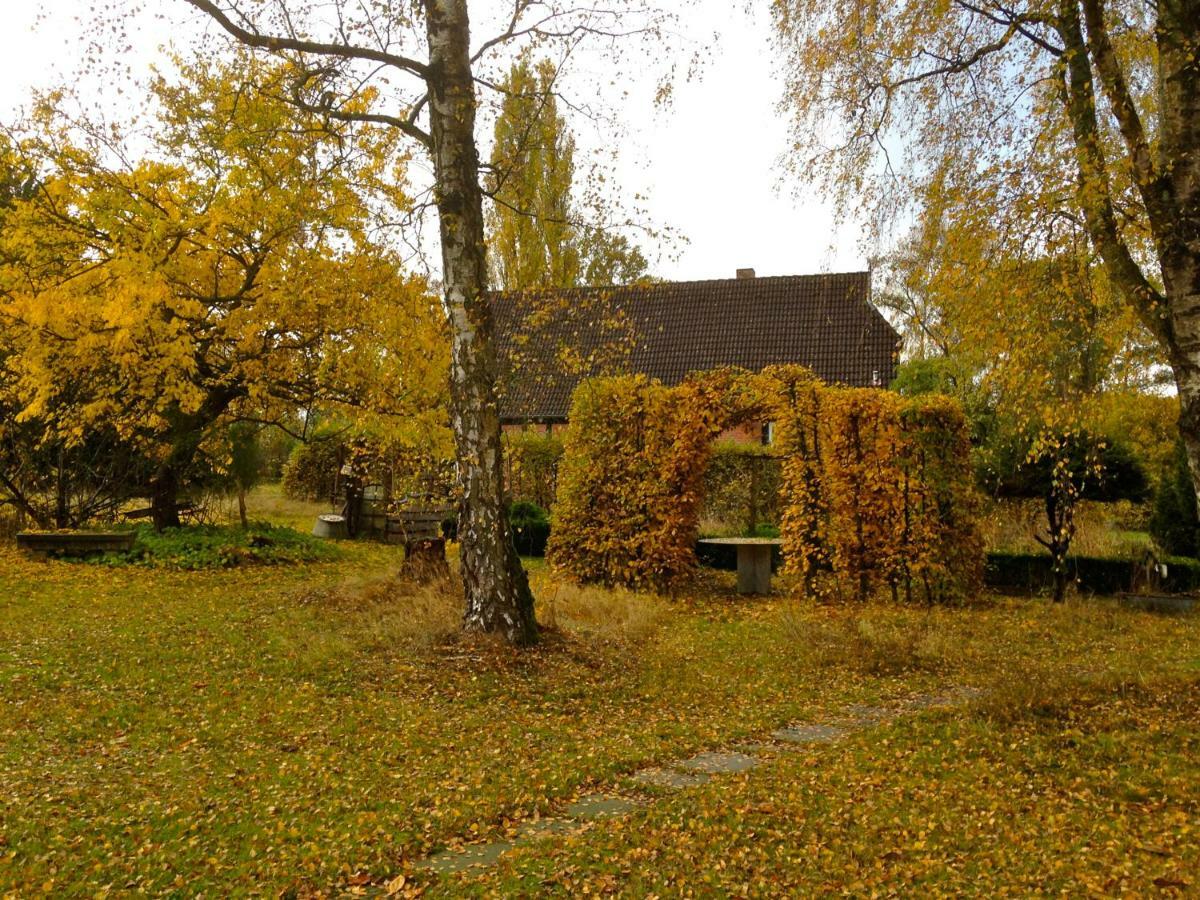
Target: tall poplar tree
{"points": [[539, 235], [532, 237]]}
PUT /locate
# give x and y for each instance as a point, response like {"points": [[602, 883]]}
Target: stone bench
{"points": [[74, 543]]}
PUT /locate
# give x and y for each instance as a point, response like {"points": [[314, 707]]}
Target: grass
{"points": [[1088, 792], [299, 728]]}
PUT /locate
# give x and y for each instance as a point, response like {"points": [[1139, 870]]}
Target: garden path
{"points": [[652, 783]]}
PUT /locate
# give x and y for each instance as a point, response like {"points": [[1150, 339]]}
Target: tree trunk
{"points": [[1183, 299], [164, 497], [498, 599], [61, 503], [242, 508]]}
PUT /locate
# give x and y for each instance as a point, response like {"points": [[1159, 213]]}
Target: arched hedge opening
{"points": [[877, 490]]}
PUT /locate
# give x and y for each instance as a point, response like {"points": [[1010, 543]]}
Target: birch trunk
{"points": [[498, 599]]}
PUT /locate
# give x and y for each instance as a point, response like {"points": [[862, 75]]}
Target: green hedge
{"points": [[724, 556], [530, 526], [1033, 573]]}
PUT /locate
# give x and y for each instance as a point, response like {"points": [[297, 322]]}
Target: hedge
{"points": [[1033, 573], [531, 461], [877, 491], [741, 486]]}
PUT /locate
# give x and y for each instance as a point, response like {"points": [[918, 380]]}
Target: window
{"points": [[768, 433]]}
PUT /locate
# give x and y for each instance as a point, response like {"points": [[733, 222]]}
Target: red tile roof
{"points": [[549, 340]]}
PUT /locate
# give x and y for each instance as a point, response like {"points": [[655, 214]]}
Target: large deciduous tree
{"points": [[226, 271], [1081, 111], [427, 46]]}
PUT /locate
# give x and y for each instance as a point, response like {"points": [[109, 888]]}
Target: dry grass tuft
{"points": [[872, 640], [619, 616], [384, 613]]}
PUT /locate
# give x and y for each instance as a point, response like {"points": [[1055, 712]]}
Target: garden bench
{"points": [[74, 543], [753, 561]]}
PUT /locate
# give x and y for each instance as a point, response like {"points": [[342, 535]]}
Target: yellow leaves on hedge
{"points": [[876, 489], [879, 491]]}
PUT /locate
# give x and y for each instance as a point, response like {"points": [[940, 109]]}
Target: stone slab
{"points": [[870, 714], [601, 806], [541, 828], [719, 762], [809, 734], [666, 778], [476, 855]]}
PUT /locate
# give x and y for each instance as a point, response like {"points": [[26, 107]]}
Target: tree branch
{"points": [[1151, 185], [1095, 189], [253, 38]]}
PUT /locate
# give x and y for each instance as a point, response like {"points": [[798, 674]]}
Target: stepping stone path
{"points": [[680, 775], [719, 763]]}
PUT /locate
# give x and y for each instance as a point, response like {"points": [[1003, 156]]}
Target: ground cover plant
{"points": [[318, 727], [221, 546]]}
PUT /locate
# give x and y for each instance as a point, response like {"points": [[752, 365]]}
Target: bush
{"points": [[531, 466], [312, 468], [631, 480], [221, 547], [1174, 524], [878, 491], [531, 528], [1033, 573], [741, 487], [724, 556]]}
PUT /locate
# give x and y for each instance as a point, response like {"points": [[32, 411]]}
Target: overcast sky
{"points": [[708, 166]]}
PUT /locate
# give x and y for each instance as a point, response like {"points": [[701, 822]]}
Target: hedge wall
{"points": [[1033, 573], [877, 491]]}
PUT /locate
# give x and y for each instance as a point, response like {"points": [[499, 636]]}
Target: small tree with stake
{"points": [[1060, 470]]}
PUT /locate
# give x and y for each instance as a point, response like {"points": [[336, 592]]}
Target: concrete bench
{"points": [[753, 561], [74, 543]]}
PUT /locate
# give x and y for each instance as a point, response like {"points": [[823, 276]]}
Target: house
{"points": [[548, 341]]}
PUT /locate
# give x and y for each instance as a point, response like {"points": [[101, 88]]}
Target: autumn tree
{"points": [[423, 52], [1081, 111], [538, 234], [227, 273], [531, 235]]}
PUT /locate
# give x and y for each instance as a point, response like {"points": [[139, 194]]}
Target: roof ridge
{"points": [[664, 283]]}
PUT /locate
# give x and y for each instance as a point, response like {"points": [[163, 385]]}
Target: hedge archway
{"points": [[877, 490]]}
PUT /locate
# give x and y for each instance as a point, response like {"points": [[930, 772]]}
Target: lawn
{"points": [[306, 728]]}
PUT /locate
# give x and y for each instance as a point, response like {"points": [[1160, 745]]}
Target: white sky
{"points": [[707, 166]]}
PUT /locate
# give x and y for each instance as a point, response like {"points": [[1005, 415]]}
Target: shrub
{"points": [[1034, 573], [531, 466], [741, 486], [631, 479], [311, 470], [221, 547], [876, 490], [1174, 524], [530, 527]]}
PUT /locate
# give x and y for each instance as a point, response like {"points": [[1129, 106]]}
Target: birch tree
{"points": [[1089, 107], [421, 59]]}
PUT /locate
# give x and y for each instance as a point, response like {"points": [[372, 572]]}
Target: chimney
{"points": [[745, 273]]}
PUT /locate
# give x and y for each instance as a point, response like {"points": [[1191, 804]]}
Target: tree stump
{"points": [[425, 559]]}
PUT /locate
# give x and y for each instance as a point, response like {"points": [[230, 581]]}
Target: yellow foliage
{"points": [[876, 489], [233, 271]]}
